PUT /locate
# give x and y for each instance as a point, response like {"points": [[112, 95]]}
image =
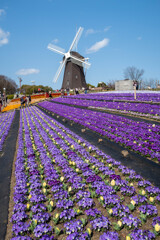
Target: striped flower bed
{"points": [[142, 137], [5, 124], [145, 109], [110, 96], [67, 188]]}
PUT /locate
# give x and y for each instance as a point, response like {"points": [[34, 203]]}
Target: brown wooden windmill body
{"points": [[74, 76]]}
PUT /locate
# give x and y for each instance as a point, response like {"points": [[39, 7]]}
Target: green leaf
{"points": [[131, 207]]}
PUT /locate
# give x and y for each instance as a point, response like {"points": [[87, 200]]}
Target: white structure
{"points": [[124, 85]]}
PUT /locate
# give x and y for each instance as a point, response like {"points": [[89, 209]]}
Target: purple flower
{"points": [[19, 207], [144, 183], [139, 199], [155, 221], [42, 229], [20, 228], [100, 223], [85, 202], [21, 238], [111, 200], [93, 178], [47, 237], [41, 217], [38, 208], [149, 210], [64, 204], [78, 236], [80, 194], [143, 235], [153, 190], [131, 221], [38, 198], [19, 216], [128, 190], [92, 212], [67, 214], [115, 177], [73, 226], [61, 194], [109, 236]]}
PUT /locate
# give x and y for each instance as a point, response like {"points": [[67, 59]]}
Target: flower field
{"points": [[121, 96], [110, 96], [67, 188], [5, 123], [142, 137], [116, 102]]}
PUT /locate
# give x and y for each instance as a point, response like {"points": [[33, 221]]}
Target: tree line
{"points": [[30, 89]]}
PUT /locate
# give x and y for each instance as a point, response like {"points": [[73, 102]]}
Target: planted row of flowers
{"points": [[141, 137], [143, 108], [110, 96], [5, 124], [11, 106], [69, 189]]}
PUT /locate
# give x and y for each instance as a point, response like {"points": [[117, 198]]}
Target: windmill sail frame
{"points": [[74, 63]]}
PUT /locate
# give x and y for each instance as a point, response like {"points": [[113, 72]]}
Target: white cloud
{"points": [[98, 45], [55, 40], [3, 37], [139, 38], [107, 28], [27, 71], [2, 11], [90, 31], [93, 31]]}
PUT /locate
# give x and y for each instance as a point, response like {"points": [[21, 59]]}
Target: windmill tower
{"points": [[74, 74]]}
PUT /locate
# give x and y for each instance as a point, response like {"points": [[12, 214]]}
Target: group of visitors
{"points": [[76, 91], [25, 101]]}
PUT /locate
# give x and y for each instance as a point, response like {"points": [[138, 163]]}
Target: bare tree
{"points": [[134, 73], [111, 84], [7, 83], [150, 83]]}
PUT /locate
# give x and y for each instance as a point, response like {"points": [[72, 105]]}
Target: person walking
{"points": [[50, 94], [67, 89], [76, 91], [62, 92], [22, 101], [4, 101], [27, 101]]}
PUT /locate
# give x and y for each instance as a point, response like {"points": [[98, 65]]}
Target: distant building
{"points": [[122, 85]]}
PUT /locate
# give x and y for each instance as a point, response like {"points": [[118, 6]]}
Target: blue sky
{"points": [[117, 34]]}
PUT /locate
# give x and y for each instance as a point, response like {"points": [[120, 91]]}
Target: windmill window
{"points": [[76, 77], [68, 73]]}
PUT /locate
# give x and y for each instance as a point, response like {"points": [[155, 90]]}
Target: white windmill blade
{"points": [[59, 71], [81, 62], [56, 49], [76, 39]]}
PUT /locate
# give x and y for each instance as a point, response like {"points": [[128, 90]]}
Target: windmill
{"points": [[74, 74]]}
